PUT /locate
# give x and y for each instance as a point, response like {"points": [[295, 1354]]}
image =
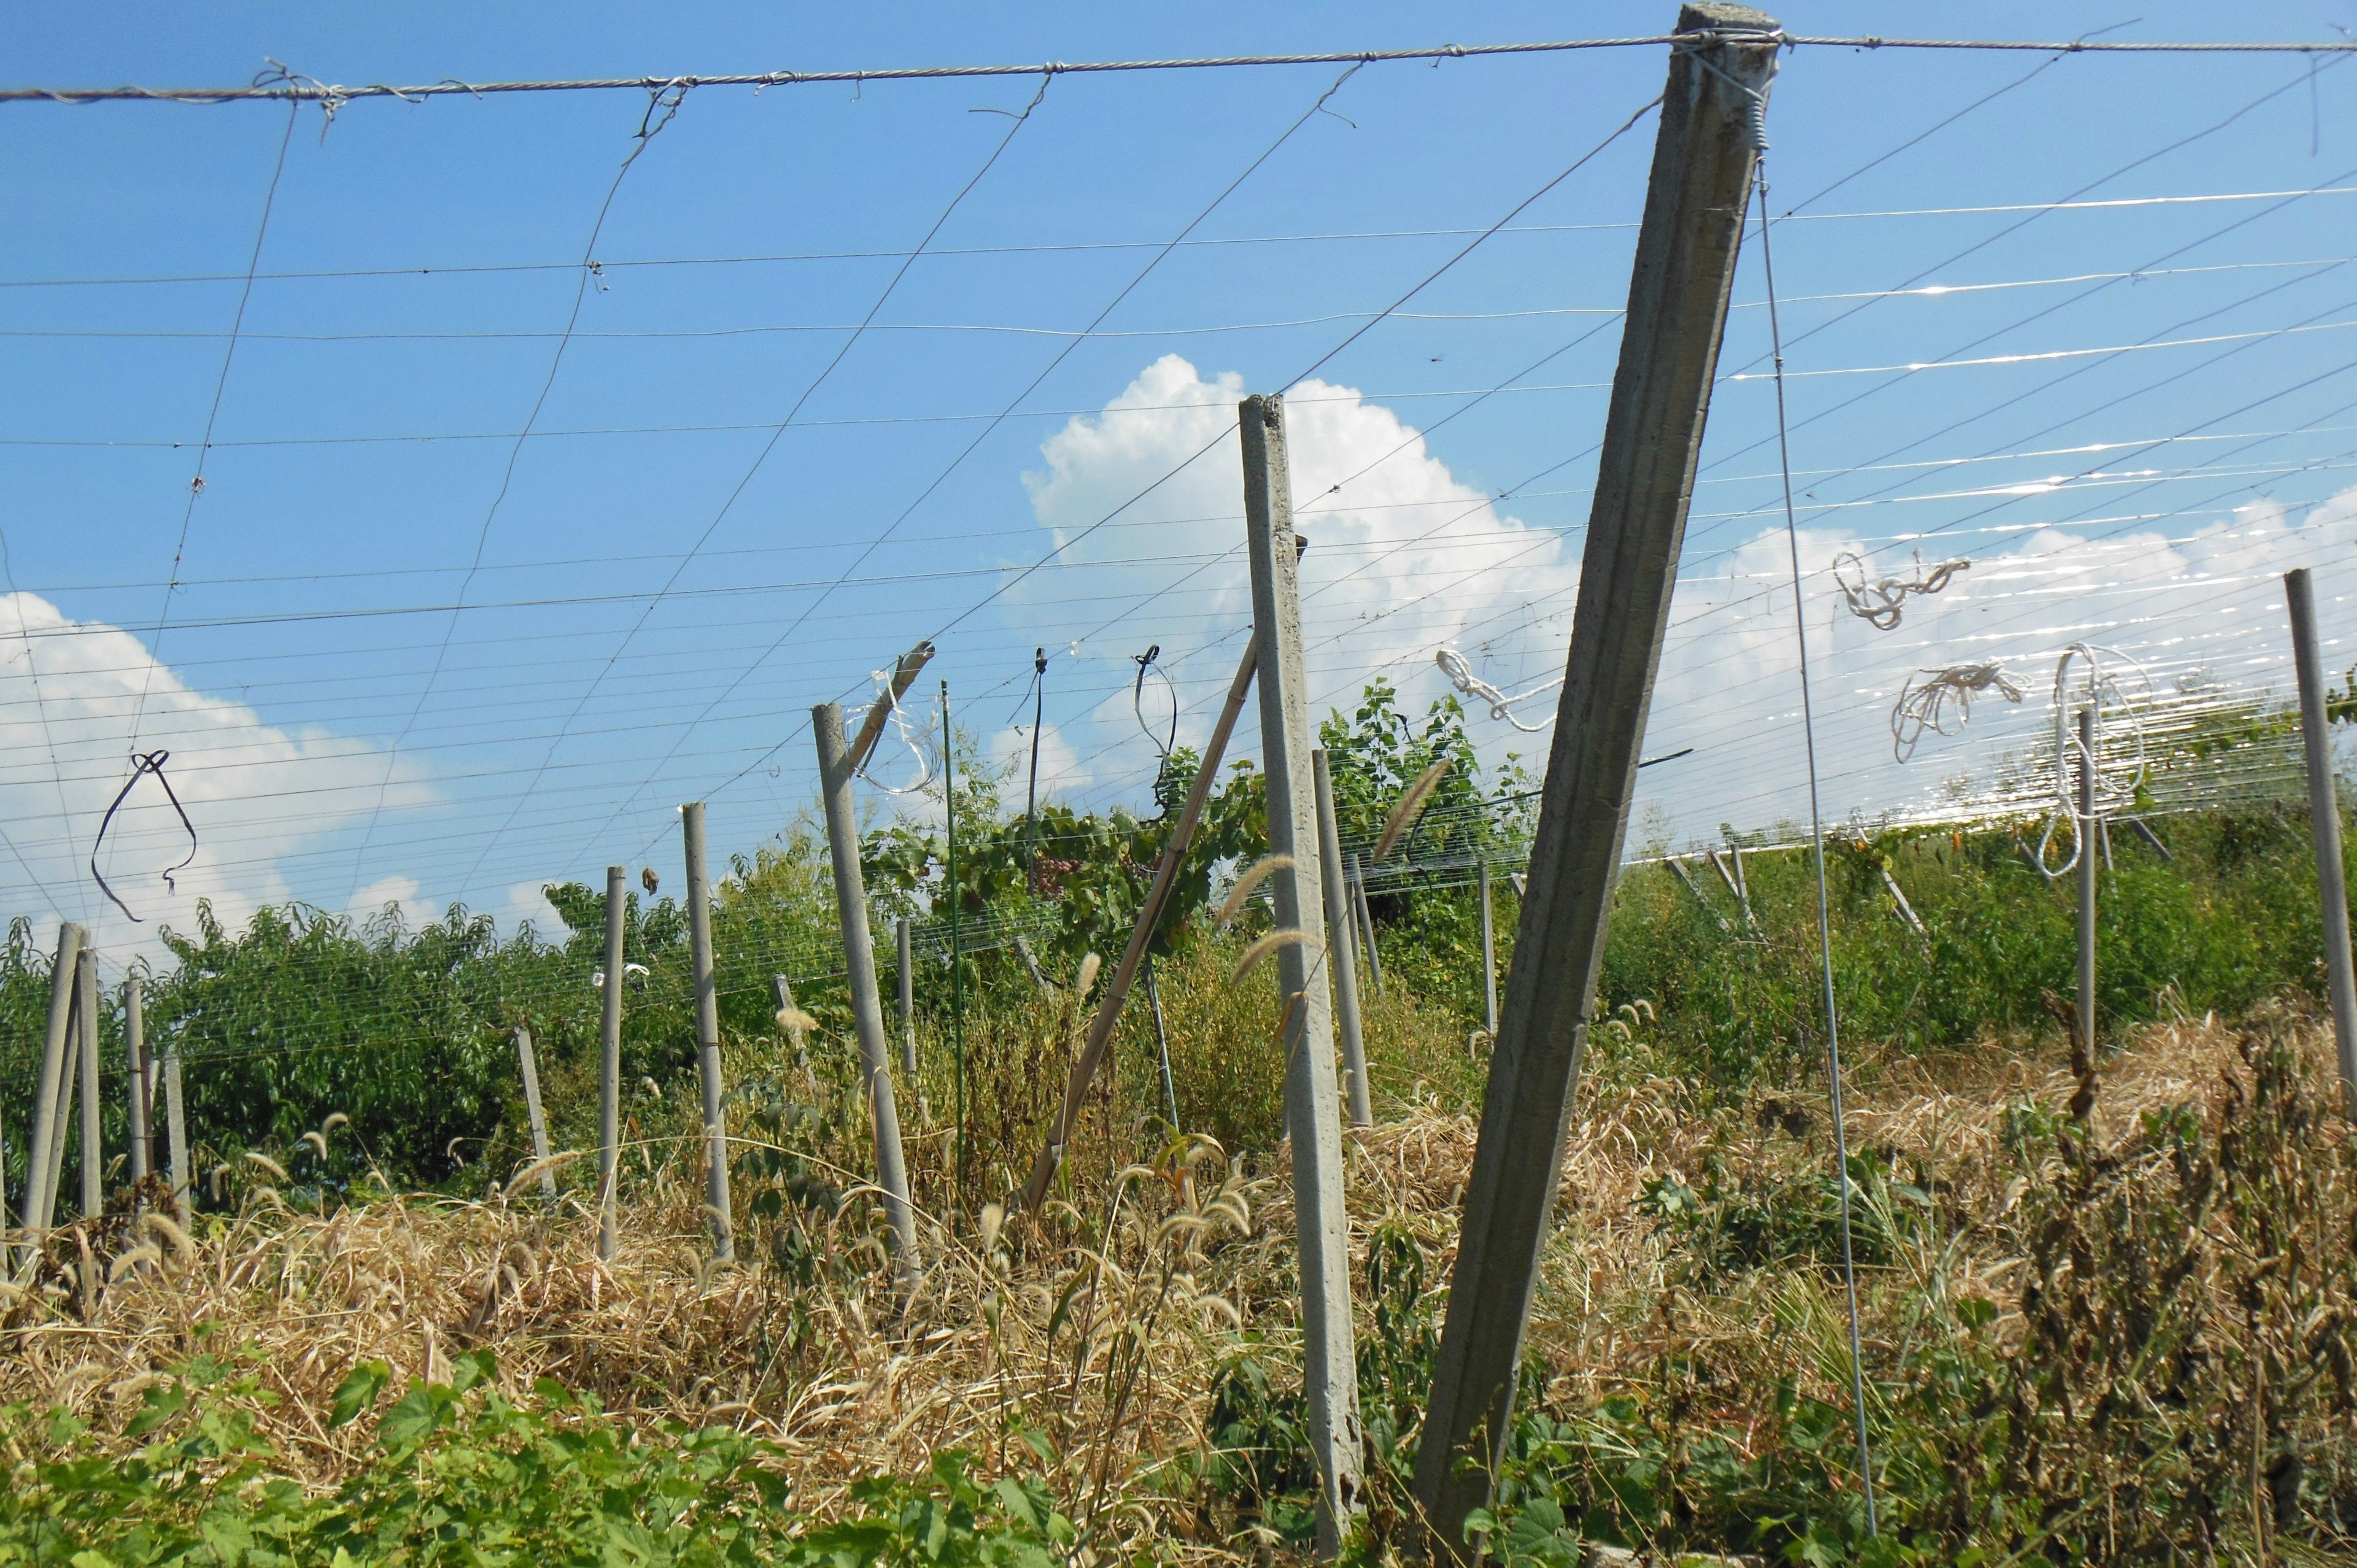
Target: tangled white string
{"points": [[1460, 671], [1941, 702], [2101, 688], [1879, 601], [883, 679]]}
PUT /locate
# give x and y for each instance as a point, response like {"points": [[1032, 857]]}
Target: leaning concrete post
{"points": [[1489, 950], [39, 1200], [707, 1033], [1366, 922], [2324, 820], [1694, 205], [1341, 947], [528, 1065], [609, 1069], [1313, 1119], [176, 1136], [906, 982], [867, 1005]]}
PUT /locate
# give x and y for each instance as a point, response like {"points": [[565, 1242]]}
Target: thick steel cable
{"points": [[334, 96]]}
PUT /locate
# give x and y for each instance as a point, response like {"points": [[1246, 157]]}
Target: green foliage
{"points": [[463, 1474]]}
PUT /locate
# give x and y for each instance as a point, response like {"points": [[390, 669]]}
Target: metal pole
{"points": [[38, 1199], [135, 1051], [176, 1135], [1162, 1046], [707, 1033], [1342, 923], [957, 974], [2087, 880], [1141, 932], [529, 1065], [2324, 821], [859, 963], [1695, 202], [1313, 1119], [1488, 951], [1358, 878], [609, 1071], [906, 985]]}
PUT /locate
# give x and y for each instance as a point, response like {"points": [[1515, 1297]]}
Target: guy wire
{"points": [[1818, 858]]}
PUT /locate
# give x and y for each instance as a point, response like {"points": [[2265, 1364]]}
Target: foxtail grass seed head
{"points": [[1253, 877], [1411, 806], [1284, 937]]}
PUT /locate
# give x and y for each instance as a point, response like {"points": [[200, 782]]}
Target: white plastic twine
{"points": [[2115, 789], [1460, 671], [1941, 702], [883, 679], [1879, 601]]}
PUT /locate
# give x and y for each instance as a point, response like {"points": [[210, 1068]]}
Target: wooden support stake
{"points": [[707, 1034], [1313, 1120], [609, 1071], [866, 1005], [528, 1064], [138, 1108], [2087, 880], [1695, 207], [56, 1068], [2324, 822], [1341, 947], [1141, 932], [1358, 878]]}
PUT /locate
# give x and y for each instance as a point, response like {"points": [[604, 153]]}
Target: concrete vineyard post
{"points": [[866, 1005], [1697, 194], [905, 981], [1341, 930], [176, 1136], [1162, 1046], [54, 1062], [609, 1071], [707, 1033], [138, 1107], [94, 1144], [2324, 819], [528, 1065], [2087, 880], [1313, 1119]]}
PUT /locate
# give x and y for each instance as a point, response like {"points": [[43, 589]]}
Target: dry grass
{"points": [[1102, 1325]]}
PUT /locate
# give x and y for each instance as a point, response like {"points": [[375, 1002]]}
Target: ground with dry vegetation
{"points": [[2106, 1317]]}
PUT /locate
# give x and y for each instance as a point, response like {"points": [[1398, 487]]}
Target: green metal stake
{"points": [[957, 979]]}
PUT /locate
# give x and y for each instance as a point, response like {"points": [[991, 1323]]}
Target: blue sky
{"points": [[637, 638]]}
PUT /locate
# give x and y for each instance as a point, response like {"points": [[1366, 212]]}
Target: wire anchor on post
{"points": [[2109, 794]]}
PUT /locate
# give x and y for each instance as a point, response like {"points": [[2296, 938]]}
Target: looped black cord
{"points": [[142, 764]]}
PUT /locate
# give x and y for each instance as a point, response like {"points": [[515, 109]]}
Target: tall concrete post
{"points": [[867, 1005], [176, 1136], [528, 1065], [1684, 265], [2324, 820], [1341, 947], [1489, 950], [906, 982], [1313, 1118], [707, 1033], [609, 1069]]}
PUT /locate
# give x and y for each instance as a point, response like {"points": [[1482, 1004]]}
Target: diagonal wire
{"points": [[873, 545], [663, 103], [760, 459]]}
